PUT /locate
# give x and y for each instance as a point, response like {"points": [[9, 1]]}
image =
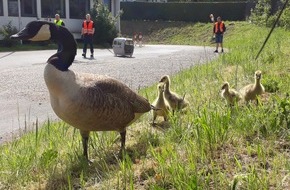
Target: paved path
{"points": [[24, 98]]}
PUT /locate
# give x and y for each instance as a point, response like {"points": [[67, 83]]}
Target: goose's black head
{"points": [[35, 31], [42, 31]]}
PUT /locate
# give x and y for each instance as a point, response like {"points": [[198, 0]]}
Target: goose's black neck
{"points": [[63, 59]]}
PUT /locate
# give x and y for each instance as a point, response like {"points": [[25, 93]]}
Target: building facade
{"points": [[72, 12]]}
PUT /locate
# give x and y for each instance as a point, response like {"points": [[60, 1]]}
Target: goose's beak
{"points": [[22, 35]]}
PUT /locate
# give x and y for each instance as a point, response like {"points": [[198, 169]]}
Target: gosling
{"points": [[175, 101], [162, 108], [252, 91], [230, 95]]}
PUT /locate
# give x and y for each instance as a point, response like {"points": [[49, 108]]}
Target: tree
{"points": [[6, 31], [105, 24]]}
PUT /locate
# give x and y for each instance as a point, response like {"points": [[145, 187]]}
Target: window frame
{"points": [[33, 4], [82, 13], [53, 10], [12, 9], [1, 8]]}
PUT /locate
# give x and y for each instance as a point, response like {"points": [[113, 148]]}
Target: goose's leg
{"points": [[85, 139], [123, 139]]}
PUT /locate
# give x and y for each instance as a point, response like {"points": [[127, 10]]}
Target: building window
{"points": [[51, 7], [1, 7], [28, 8], [12, 8], [79, 8]]}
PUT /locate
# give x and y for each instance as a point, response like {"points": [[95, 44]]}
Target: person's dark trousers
{"points": [[59, 45], [88, 39]]}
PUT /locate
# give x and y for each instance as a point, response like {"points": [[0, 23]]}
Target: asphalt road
{"points": [[24, 98]]}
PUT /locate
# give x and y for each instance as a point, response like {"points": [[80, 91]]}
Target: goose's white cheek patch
{"points": [[43, 34]]}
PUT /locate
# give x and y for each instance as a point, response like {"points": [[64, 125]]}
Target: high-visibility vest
{"points": [[59, 22], [221, 27], [88, 27]]}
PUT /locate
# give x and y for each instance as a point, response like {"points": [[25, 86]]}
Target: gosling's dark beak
{"points": [[22, 35]]}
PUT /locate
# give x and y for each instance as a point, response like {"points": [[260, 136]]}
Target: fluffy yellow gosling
{"points": [[230, 95], [175, 101], [162, 108], [252, 91]]}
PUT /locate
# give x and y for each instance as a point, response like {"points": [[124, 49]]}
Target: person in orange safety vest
{"points": [[218, 30], [88, 30]]}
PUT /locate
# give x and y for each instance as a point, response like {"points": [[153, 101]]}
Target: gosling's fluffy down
{"points": [[230, 95], [175, 101], [160, 104], [251, 91]]}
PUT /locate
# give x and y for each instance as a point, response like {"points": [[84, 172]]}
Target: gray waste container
{"points": [[123, 46]]}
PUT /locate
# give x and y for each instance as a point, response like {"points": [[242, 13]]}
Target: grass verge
{"points": [[210, 146]]}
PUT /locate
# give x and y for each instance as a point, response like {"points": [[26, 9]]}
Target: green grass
{"points": [[210, 146]]}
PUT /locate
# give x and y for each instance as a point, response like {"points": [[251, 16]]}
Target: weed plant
{"points": [[208, 146]]}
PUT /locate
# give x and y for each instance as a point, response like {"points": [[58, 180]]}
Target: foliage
{"points": [[285, 18], [265, 14], [6, 31], [105, 24], [261, 13]]}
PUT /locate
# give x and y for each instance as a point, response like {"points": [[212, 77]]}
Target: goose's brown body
{"points": [[91, 102]]}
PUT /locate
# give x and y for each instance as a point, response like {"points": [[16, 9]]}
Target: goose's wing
{"points": [[115, 92]]}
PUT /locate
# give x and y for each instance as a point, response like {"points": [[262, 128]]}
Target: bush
{"points": [[261, 13], [265, 15], [105, 24], [6, 31]]}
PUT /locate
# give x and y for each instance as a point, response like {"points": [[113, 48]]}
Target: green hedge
{"points": [[194, 12]]}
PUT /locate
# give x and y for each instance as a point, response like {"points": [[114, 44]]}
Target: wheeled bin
{"points": [[123, 46]]}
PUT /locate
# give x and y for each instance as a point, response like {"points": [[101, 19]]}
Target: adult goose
{"points": [[85, 101]]}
